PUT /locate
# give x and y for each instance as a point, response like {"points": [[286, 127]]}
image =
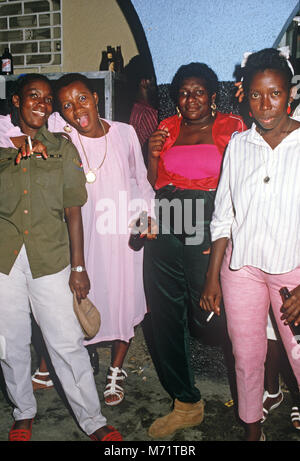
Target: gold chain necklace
{"points": [[91, 175]]}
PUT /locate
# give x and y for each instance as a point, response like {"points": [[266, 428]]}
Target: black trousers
{"points": [[174, 275]]}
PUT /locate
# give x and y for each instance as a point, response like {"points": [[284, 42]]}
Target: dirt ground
{"points": [[146, 400]]}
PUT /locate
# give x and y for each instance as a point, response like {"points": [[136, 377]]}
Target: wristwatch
{"points": [[78, 269]]}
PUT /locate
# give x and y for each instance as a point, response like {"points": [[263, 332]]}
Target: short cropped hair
{"points": [[138, 68], [194, 69], [266, 59], [20, 83], [66, 80]]}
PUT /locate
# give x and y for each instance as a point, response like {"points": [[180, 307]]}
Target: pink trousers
{"points": [[248, 293]]}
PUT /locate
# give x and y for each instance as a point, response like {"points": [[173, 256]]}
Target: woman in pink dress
{"points": [[118, 190]]}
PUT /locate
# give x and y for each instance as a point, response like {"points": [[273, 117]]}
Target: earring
{"points": [[289, 109], [213, 109], [178, 112], [67, 128]]}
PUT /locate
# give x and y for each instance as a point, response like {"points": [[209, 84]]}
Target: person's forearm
{"points": [[152, 169], [75, 229], [79, 280], [216, 257]]}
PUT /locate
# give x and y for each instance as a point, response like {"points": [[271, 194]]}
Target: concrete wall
{"points": [[216, 32], [178, 31], [88, 27]]}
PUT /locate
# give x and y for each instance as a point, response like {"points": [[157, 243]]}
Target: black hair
{"points": [[194, 69], [20, 83], [268, 58], [138, 68], [66, 80]]}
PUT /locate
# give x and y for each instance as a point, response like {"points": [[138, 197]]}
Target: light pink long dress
{"points": [[114, 269]]}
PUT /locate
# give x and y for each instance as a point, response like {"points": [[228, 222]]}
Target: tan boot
{"points": [[183, 415]]}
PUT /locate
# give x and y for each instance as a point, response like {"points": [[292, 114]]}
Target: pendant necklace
{"points": [[91, 175], [267, 177]]}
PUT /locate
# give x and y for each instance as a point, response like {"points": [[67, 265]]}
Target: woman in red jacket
{"points": [[185, 156]]}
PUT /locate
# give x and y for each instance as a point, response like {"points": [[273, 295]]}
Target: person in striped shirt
{"points": [[143, 88], [255, 231]]}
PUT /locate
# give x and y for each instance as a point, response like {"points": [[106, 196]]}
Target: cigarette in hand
{"points": [[210, 316], [29, 143]]}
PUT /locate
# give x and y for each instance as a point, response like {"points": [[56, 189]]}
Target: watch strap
{"points": [[78, 269]]}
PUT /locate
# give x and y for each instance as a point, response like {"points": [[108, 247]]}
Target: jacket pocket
{"points": [[48, 173], [48, 178]]}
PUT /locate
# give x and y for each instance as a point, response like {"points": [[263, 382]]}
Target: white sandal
{"points": [[113, 388], [295, 416], [263, 437], [41, 384], [271, 396]]}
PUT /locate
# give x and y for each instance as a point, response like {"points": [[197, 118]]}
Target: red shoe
{"points": [[20, 435], [112, 436]]}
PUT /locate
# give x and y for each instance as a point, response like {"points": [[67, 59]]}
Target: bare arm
{"points": [[79, 281], [212, 294], [156, 142], [152, 170]]}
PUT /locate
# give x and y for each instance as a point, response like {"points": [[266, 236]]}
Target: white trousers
{"points": [[51, 303]]}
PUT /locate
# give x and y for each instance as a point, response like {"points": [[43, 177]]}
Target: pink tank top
{"points": [[193, 162]]}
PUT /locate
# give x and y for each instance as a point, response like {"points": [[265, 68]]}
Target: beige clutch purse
{"points": [[88, 317]]}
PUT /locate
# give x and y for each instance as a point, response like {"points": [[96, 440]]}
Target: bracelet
{"points": [[78, 269]]}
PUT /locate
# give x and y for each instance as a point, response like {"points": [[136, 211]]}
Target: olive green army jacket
{"points": [[33, 196]]}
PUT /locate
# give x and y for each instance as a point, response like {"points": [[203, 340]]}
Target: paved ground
{"points": [[146, 400]]}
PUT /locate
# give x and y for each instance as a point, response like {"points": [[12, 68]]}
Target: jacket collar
{"points": [[44, 133]]}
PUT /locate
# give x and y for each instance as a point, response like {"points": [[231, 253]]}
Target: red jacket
{"points": [[225, 125]]}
